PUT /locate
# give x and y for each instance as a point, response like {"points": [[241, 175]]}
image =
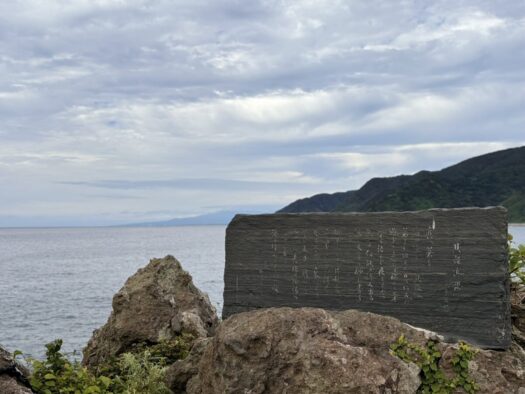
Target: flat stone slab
{"points": [[444, 270]]}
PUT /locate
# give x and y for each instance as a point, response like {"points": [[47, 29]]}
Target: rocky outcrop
{"points": [[306, 350], [158, 303], [13, 377], [309, 350], [279, 350]]}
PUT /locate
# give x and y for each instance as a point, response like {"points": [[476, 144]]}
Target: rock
{"points": [[13, 377], [504, 372], [378, 331], [495, 372], [277, 350], [179, 373], [306, 350], [157, 303], [310, 350], [518, 336], [517, 298]]}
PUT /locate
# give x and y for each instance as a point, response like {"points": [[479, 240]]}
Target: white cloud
{"points": [[457, 29], [315, 96]]}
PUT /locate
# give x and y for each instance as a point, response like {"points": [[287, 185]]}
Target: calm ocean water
{"points": [[58, 283]]}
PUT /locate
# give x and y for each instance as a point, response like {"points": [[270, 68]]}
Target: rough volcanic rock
{"points": [[306, 350], [495, 372], [158, 303], [179, 373], [13, 377], [309, 350]]}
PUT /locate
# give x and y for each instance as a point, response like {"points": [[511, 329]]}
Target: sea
{"points": [[59, 282]]}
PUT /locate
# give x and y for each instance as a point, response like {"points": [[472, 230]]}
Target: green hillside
{"points": [[496, 178]]}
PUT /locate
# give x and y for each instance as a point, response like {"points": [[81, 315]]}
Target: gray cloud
{"points": [[187, 184], [191, 105]]}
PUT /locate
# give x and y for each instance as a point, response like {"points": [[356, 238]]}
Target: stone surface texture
{"points": [[518, 313], [13, 377], [495, 372], [180, 372], [157, 303], [311, 350], [305, 350], [445, 270]]}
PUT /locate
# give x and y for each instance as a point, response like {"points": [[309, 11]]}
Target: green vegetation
{"points": [[57, 375], [141, 374], [167, 350], [516, 207], [517, 261], [163, 353], [433, 377], [140, 371], [488, 180]]}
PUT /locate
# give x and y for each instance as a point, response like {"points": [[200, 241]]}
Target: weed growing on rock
{"points": [[165, 352], [433, 378], [57, 375], [139, 374], [141, 371]]}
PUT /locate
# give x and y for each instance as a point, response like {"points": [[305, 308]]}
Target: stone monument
{"points": [[445, 270]]}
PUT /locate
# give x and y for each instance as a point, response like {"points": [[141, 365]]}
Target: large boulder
{"points": [[306, 350], [309, 350], [13, 377], [156, 304]]}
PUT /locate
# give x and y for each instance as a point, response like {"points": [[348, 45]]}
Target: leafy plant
{"points": [[57, 375], [139, 374], [140, 371], [433, 378], [163, 353], [516, 260], [167, 350]]}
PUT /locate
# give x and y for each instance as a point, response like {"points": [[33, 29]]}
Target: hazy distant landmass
{"points": [[221, 217], [496, 178]]}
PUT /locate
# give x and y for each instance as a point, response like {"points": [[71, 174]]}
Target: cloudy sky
{"points": [[115, 111]]}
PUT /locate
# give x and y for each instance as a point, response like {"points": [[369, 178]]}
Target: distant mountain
{"points": [[221, 217], [218, 217], [496, 178]]}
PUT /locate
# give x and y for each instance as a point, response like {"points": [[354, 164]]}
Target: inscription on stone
{"points": [[442, 269]]}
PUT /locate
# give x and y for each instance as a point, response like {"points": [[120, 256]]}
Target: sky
{"points": [[121, 111]]}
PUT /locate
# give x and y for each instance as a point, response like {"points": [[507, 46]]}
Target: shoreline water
{"points": [[59, 283], [138, 226]]}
